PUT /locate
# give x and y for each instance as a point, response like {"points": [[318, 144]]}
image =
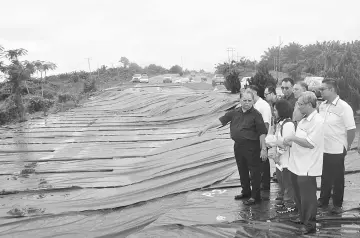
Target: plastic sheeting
{"points": [[130, 163]]}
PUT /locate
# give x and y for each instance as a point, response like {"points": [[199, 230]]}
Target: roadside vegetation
{"points": [[322, 59], [29, 92]]}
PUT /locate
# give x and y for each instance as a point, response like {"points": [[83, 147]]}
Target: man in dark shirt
{"points": [[287, 85], [248, 131]]}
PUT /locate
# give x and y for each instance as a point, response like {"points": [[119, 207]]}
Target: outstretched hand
{"points": [[201, 132]]}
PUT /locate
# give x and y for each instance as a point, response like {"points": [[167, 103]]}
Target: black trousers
{"points": [[305, 198], [247, 155], [265, 174], [333, 178]]}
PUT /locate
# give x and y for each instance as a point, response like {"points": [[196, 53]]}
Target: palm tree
{"points": [[39, 67], [45, 67], [30, 67], [17, 72]]}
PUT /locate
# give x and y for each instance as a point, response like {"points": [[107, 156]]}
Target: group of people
{"points": [[306, 139]]}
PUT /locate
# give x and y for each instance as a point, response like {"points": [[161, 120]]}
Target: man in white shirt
{"points": [[305, 162], [339, 133], [264, 108]]}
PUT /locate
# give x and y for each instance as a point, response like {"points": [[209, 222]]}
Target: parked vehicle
{"points": [[136, 78], [244, 82], [182, 80], [313, 82], [144, 78], [167, 79], [218, 79]]}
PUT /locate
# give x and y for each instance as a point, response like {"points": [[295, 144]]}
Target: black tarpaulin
{"points": [[130, 163]]}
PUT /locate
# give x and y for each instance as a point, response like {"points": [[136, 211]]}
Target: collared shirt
{"points": [[288, 130], [264, 108], [291, 99], [339, 118], [305, 161], [244, 126]]}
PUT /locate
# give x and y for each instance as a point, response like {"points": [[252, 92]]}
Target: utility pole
{"points": [[89, 66], [278, 59], [230, 49]]}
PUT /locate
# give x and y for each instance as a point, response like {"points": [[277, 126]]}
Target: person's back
{"points": [[264, 108]]}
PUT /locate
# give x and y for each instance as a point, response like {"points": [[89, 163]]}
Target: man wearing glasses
{"points": [[305, 162], [248, 131], [339, 132], [287, 89]]}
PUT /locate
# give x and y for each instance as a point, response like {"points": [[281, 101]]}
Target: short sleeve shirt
{"points": [[306, 161], [264, 108], [244, 126], [339, 118]]}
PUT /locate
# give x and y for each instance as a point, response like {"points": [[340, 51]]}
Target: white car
{"points": [[313, 83], [244, 82], [218, 79], [144, 78], [182, 80], [136, 78]]}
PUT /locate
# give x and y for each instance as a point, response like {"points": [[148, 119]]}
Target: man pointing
{"points": [[248, 131]]}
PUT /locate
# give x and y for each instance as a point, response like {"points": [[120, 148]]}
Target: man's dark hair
{"points": [[271, 89], [284, 109], [303, 85], [255, 88], [289, 80], [332, 83]]}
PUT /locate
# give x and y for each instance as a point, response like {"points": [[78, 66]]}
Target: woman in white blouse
{"points": [[284, 127]]}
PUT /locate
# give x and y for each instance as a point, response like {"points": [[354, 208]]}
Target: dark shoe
{"points": [[250, 202], [296, 220], [305, 231], [321, 204], [241, 196], [336, 210]]}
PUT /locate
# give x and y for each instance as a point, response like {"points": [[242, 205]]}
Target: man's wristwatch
{"points": [[264, 149]]}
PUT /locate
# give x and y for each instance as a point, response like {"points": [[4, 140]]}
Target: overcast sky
{"points": [[167, 32]]}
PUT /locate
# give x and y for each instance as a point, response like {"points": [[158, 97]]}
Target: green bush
{"points": [[74, 78], [49, 94], [262, 79], [64, 97], [37, 103], [232, 82], [8, 110], [89, 86]]}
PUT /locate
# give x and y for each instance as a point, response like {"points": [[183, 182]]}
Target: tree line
{"points": [[17, 72], [332, 59]]}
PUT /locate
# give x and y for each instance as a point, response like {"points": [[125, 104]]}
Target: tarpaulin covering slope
{"points": [[118, 165]]}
